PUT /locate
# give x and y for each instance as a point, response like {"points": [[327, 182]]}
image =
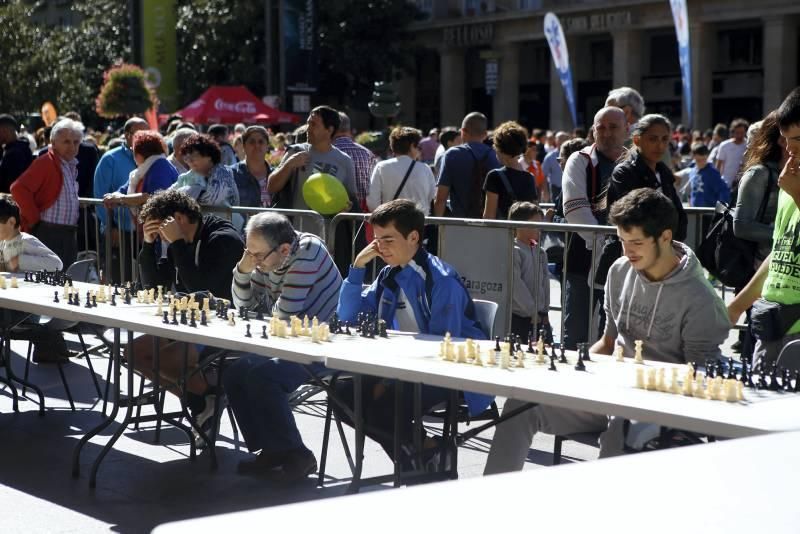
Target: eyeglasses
{"points": [[261, 258]]}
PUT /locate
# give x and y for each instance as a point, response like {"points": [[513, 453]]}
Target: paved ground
{"points": [[142, 484]]}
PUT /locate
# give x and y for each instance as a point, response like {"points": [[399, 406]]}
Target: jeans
{"points": [[258, 390], [578, 313]]}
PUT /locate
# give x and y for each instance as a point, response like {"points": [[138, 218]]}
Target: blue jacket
{"points": [[437, 297], [707, 187], [111, 173]]}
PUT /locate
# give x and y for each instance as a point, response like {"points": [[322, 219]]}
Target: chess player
{"points": [[656, 292], [201, 252], [415, 292], [287, 273]]}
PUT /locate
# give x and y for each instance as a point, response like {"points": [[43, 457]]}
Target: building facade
{"points": [[491, 56]]}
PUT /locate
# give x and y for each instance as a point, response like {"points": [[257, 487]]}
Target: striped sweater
{"points": [[307, 283]]}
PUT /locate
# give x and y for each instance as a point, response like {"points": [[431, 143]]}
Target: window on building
{"points": [[478, 7], [740, 48], [602, 54], [664, 54]]}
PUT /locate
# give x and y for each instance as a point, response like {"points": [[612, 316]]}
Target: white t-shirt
{"points": [[387, 177], [732, 154]]}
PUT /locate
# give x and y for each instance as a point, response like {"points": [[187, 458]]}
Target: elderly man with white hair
{"points": [[176, 158], [629, 101], [47, 192]]}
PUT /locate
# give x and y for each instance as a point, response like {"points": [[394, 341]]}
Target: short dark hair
{"points": [[789, 110], [739, 123], [510, 138], [8, 120], [203, 145], [404, 213], [8, 208], [523, 211], [700, 149], [330, 117], [164, 203], [217, 130], [403, 138], [647, 209], [447, 135]]}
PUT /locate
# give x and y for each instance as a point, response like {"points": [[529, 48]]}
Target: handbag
{"points": [[729, 258]]}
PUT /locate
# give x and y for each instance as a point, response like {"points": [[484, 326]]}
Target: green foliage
{"points": [[124, 93], [360, 42], [220, 42]]}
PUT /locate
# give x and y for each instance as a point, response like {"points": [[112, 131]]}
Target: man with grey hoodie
{"points": [[656, 292]]}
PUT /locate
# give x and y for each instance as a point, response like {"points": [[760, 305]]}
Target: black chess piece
{"points": [[334, 324], [731, 370], [259, 314], [264, 332], [245, 314], [55, 296], [203, 319], [183, 317], [497, 344], [88, 299], [517, 343], [192, 321], [762, 376], [585, 352], [174, 317], [27, 275], [94, 301], [382, 329], [127, 296], [786, 381], [530, 350], [347, 329], [247, 332], [580, 366], [773, 378], [166, 318], [76, 301], [553, 363], [116, 289], [114, 299], [562, 358]]}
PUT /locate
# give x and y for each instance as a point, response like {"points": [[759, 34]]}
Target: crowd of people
{"points": [[633, 170]]}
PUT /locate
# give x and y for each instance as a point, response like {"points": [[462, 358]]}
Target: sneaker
{"points": [[205, 418], [296, 467], [263, 462]]}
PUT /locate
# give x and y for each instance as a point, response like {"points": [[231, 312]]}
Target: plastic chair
{"points": [[789, 357], [486, 313]]}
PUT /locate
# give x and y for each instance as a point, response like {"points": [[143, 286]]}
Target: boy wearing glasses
{"points": [[287, 273]]}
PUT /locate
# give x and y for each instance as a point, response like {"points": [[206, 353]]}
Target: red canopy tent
{"points": [[229, 105]]}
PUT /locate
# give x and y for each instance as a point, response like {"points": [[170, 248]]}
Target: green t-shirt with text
{"points": [[783, 280]]}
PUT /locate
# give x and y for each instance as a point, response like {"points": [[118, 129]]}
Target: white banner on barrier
{"points": [[482, 256]]}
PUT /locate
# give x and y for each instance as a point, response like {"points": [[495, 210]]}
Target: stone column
{"points": [[627, 58], [407, 91], [453, 90], [506, 98], [779, 59], [703, 42]]}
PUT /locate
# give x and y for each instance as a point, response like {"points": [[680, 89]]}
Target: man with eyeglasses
{"points": [[287, 273]]}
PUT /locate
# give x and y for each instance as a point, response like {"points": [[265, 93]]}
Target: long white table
{"points": [[739, 486]]}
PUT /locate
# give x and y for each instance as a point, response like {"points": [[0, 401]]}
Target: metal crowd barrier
{"points": [[507, 304]]}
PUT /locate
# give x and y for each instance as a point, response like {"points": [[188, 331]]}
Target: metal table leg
{"points": [[358, 422]]}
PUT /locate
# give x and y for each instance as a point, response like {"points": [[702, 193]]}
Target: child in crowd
{"points": [[531, 298], [705, 182], [20, 251]]}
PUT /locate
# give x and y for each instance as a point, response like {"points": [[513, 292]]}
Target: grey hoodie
{"points": [[680, 318]]}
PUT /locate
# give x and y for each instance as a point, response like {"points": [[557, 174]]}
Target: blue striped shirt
{"points": [[306, 284]]}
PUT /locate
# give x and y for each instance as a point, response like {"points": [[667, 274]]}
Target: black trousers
{"points": [[62, 239]]}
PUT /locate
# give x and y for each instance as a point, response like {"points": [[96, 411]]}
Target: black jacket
{"points": [[206, 264], [14, 160], [635, 174]]}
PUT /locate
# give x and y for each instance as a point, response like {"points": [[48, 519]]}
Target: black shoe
{"points": [[262, 463], [205, 418], [296, 467], [737, 346]]}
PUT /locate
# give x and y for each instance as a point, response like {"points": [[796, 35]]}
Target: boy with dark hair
{"points": [[415, 292], [656, 292], [705, 182], [531, 299], [777, 282]]}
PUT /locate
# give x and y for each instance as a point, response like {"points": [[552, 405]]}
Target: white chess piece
{"points": [[674, 386], [14, 282], [478, 361], [540, 350], [661, 384], [637, 355], [462, 354], [699, 391], [520, 359], [620, 353], [315, 334], [651, 380], [640, 378], [231, 318]]}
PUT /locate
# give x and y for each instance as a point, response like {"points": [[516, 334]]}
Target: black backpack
{"points": [[476, 197], [729, 258]]}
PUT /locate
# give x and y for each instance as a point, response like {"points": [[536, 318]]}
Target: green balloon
{"points": [[325, 194]]}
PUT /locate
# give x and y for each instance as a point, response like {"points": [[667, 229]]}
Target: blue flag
{"points": [[558, 49], [681, 19]]}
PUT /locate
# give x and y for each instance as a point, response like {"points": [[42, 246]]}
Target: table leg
{"points": [[398, 418], [128, 410], [358, 422], [418, 438], [451, 445], [157, 387], [14, 393], [11, 377], [115, 363]]}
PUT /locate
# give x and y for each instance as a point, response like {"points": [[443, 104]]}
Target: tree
{"points": [[220, 42], [361, 42], [124, 93]]}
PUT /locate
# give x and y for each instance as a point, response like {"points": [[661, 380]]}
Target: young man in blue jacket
{"points": [[415, 292]]}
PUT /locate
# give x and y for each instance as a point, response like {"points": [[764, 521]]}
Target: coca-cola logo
{"points": [[236, 107]]}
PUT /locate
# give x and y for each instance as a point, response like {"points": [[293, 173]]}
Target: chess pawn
{"points": [[719, 392], [521, 359], [699, 391], [2, 282], [493, 354], [661, 383], [640, 378], [462, 354], [505, 358], [540, 350], [637, 355], [674, 386], [739, 391], [620, 353], [450, 352], [315, 334], [231, 318], [688, 385], [325, 334], [651, 380], [206, 305], [160, 311], [14, 282], [477, 360], [305, 325], [66, 293]]}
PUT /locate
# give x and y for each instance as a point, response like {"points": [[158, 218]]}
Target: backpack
{"points": [[729, 258], [474, 210]]}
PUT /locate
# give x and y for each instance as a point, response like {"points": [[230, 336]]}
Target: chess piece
{"points": [[497, 343], [247, 331], [637, 355], [259, 314], [552, 363], [231, 320], [540, 350], [619, 351], [520, 359], [192, 321], [562, 358], [640, 378], [55, 296], [674, 386], [114, 299], [88, 299], [580, 366], [264, 332], [166, 317], [786, 381], [382, 329], [94, 300], [203, 318], [174, 315], [661, 384], [183, 317], [76, 299], [731, 370], [14, 282], [651, 384], [585, 352]]}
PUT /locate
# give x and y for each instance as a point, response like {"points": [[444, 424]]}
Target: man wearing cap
{"points": [[15, 153]]}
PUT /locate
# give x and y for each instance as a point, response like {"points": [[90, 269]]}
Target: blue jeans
{"points": [[258, 390], [578, 313]]}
